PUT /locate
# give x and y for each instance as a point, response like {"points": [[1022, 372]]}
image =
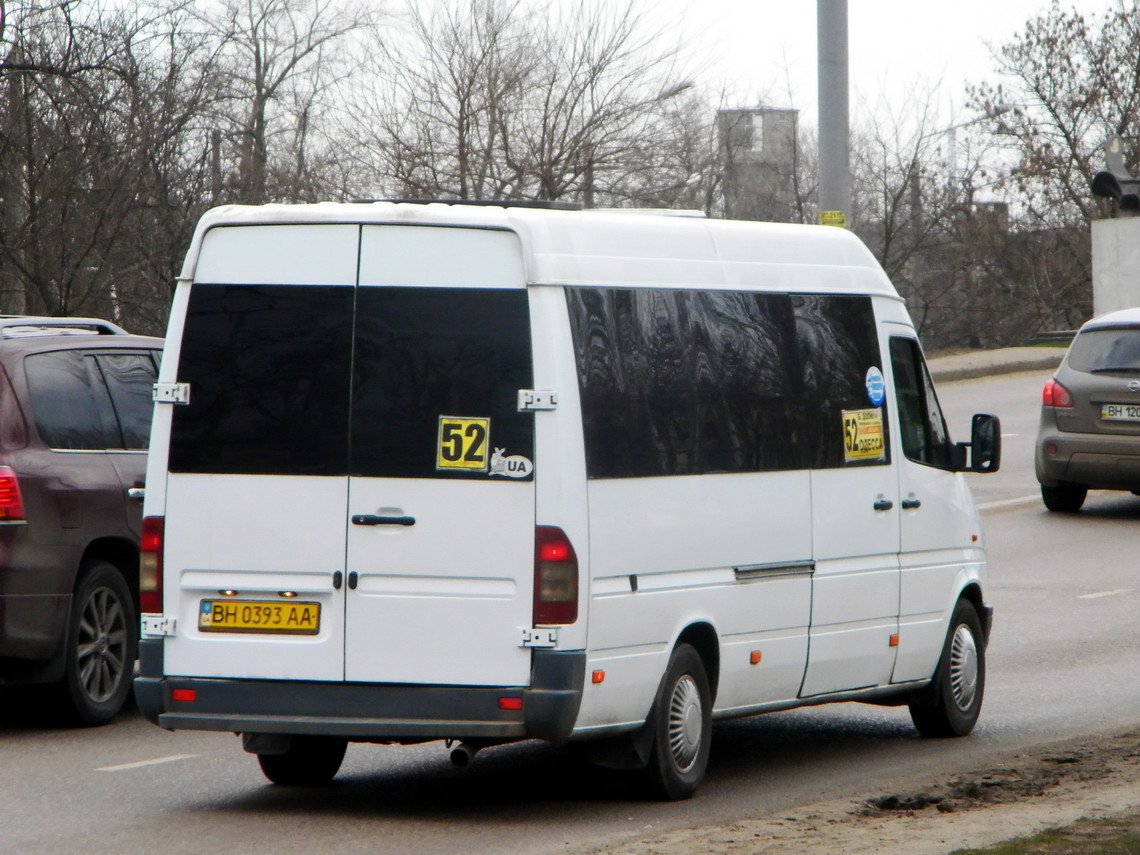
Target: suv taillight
{"points": [[11, 500], [555, 577], [150, 565], [1056, 395]]}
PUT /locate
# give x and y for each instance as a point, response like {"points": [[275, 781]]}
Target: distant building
{"points": [[758, 150]]}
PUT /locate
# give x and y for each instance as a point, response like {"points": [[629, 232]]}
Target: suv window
{"points": [[79, 399], [1106, 350], [130, 382]]}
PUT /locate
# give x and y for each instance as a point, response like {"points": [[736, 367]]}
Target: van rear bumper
{"points": [[379, 712]]}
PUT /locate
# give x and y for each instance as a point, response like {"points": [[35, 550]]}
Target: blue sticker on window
{"points": [[876, 388]]}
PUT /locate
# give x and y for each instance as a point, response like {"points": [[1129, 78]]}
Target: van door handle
{"points": [[911, 504], [373, 519], [136, 493], [884, 505], [352, 580], [338, 580]]}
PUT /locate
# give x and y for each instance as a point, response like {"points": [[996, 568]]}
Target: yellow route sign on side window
{"points": [[863, 435], [462, 443]]}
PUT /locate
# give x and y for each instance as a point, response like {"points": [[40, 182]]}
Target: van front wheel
{"points": [[309, 762], [952, 704], [682, 727]]}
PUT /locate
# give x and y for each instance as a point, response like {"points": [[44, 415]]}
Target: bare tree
{"points": [[96, 158], [280, 58], [1071, 80], [493, 99], [913, 188], [678, 163]]}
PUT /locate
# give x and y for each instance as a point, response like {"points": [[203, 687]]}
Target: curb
{"points": [[1010, 360]]}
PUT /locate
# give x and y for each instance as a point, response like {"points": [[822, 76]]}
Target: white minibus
{"points": [[486, 473]]}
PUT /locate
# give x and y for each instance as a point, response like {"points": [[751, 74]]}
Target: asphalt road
{"points": [[1063, 662]]}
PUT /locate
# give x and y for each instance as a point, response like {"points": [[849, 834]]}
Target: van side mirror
{"points": [[985, 444]]}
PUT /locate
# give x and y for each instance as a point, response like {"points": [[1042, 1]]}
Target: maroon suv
{"points": [[75, 410]]}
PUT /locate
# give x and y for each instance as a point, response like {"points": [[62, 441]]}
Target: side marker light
{"points": [[598, 677]]}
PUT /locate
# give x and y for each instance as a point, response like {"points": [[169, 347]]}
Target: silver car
{"points": [[1089, 436]]}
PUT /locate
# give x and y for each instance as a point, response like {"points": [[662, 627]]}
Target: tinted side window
{"points": [[686, 382], [923, 428], [838, 346], [423, 354], [69, 401], [268, 368], [130, 381]]}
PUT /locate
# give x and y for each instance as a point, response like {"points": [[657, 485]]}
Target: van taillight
{"points": [[11, 500], [1056, 395], [555, 577], [150, 565]]}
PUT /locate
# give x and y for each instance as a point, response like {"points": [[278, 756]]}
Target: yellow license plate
{"points": [[266, 616]]}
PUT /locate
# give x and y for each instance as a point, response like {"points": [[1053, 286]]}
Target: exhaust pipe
{"points": [[462, 754]]}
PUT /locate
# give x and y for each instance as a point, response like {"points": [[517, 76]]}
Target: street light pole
{"points": [[834, 164]]}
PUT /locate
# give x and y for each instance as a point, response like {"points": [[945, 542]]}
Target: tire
{"points": [[954, 701], [102, 643], [1064, 498], [310, 761], [681, 723]]}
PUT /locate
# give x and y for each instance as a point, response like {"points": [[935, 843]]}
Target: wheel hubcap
{"points": [[685, 720], [963, 668], [102, 644]]}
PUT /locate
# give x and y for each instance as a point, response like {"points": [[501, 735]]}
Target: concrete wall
{"points": [[1115, 264]]}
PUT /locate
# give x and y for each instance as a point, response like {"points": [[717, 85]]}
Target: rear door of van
{"points": [[335, 506], [441, 487]]}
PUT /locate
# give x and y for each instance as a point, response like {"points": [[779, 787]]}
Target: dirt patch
{"points": [[1024, 795]]}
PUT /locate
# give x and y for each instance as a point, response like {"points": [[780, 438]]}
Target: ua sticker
{"points": [[863, 435], [462, 444], [514, 466], [876, 388]]}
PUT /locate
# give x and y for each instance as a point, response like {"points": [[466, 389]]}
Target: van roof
{"points": [[614, 247]]}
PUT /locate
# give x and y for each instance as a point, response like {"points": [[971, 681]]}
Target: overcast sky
{"points": [[756, 49]]}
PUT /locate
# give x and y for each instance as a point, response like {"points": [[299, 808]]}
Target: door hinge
{"points": [[171, 393], [531, 400], [539, 638], [157, 626]]}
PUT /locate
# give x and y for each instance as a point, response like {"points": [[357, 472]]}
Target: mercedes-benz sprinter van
{"points": [[489, 473]]}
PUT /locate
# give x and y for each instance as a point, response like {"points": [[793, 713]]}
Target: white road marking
{"points": [[1100, 594], [1006, 503], [122, 767]]}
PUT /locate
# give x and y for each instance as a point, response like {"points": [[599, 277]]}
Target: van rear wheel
{"points": [[952, 704], [309, 762], [682, 727]]}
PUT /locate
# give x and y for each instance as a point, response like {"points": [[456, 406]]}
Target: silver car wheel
{"points": [[685, 723], [963, 668], [101, 647]]}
